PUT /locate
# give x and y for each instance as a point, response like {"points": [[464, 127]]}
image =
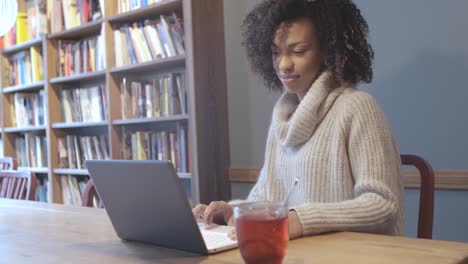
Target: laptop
{"points": [[146, 203]]}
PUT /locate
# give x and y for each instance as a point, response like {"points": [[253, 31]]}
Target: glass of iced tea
{"points": [[262, 231]]}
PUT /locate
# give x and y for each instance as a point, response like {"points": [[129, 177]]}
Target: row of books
{"points": [[73, 150], [26, 67], [36, 11], [73, 189], [28, 109], [31, 22], [81, 56], [159, 145], [149, 40], [161, 96], [84, 104], [31, 150], [41, 189], [128, 5], [66, 14]]}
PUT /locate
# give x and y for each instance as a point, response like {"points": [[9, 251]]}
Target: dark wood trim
{"points": [[444, 179], [243, 175], [51, 55], [207, 99]]}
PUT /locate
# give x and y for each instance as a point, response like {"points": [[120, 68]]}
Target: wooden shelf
{"points": [[79, 124], [137, 121], [150, 11], [71, 171], [34, 169], [151, 65], [24, 88], [22, 46], [23, 129], [86, 76], [89, 29]]}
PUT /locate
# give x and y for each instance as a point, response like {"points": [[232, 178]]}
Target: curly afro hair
{"points": [[341, 29]]}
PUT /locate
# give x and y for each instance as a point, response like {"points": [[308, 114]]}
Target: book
{"points": [[37, 64], [21, 27], [36, 18]]}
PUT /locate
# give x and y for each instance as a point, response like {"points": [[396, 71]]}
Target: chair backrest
{"points": [[89, 195], [426, 195], [8, 163], [19, 185]]}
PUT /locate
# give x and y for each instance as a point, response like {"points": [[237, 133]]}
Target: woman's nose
{"points": [[285, 64]]}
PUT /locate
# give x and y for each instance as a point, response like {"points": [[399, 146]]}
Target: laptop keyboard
{"points": [[216, 237], [214, 240]]}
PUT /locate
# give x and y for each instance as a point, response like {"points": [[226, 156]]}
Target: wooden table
{"points": [[32, 232]]}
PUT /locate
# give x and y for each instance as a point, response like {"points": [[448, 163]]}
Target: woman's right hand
{"points": [[217, 212]]}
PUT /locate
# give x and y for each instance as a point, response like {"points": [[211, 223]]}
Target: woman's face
{"points": [[296, 55]]}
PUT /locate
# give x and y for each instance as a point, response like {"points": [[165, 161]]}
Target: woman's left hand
{"points": [[294, 225], [232, 234]]}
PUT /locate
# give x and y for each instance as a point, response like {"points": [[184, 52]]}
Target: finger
{"points": [[230, 222], [232, 235], [198, 211], [210, 212], [228, 214], [200, 208]]}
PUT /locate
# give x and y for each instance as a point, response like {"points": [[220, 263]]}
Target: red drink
{"points": [[262, 235]]}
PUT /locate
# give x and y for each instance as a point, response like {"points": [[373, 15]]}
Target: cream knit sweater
{"points": [[340, 146]]}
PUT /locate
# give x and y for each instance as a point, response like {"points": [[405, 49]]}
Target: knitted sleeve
{"points": [[375, 164]]}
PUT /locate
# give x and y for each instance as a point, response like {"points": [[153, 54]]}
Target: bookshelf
{"points": [[24, 88], [89, 28], [22, 46], [195, 76], [79, 77]]}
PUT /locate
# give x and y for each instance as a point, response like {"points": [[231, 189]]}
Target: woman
{"points": [[324, 131]]}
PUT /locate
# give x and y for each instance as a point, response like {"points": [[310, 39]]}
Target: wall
{"points": [[249, 101], [421, 76], [420, 80]]}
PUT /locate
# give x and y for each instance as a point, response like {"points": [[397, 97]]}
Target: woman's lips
{"points": [[287, 79]]}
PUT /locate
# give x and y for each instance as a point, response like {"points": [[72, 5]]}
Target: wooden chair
{"points": [[8, 163], [89, 194], [19, 185], [426, 196]]}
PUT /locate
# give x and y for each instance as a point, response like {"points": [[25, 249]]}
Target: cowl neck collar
{"points": [[295, 121]]}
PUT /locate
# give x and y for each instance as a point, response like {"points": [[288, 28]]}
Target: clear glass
{"points": [[262, 231]]}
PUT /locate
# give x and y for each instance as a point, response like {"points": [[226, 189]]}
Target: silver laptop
{"points": [[146, 203]]}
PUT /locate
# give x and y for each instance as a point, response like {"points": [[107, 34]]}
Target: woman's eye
{"points": [[298, 51]]}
